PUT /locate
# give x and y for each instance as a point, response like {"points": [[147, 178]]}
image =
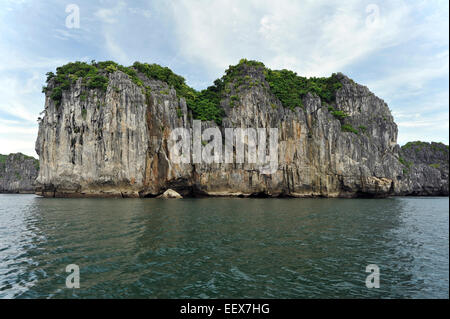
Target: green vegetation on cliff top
{"points": [[4, 157], [291, 88], [286, 85], [417, 146]]}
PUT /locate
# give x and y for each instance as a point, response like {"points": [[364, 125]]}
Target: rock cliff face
{"points": [[18, 173], [116, 143], [426, 167]]}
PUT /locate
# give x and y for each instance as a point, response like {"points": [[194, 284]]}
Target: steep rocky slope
{"points": [[18, 173], [108, 135], [426, 166]]}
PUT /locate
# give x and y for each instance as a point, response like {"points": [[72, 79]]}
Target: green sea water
{"points": [[224, 248]]}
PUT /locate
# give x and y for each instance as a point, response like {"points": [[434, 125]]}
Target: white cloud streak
{"points": [[310, 37]]}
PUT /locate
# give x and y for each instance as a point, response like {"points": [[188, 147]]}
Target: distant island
{"points": [[18, 173], [105, 131]]}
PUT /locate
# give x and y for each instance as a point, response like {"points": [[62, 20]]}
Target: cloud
{"points": [[313, 38], [114, 48], [109, 19], [18, 61], [18, 98], [109, 15], [140, 11], [18, 143], [411, 79]]}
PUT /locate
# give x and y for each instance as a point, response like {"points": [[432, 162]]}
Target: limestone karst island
{"points": [[105, 127]]}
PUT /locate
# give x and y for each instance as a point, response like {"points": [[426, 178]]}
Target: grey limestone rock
{"points": [[115, 143], [18, 173]]}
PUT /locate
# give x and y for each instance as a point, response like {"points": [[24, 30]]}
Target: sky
{"points": [[398, 49]]}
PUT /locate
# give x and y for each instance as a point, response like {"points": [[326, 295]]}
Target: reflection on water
{"points": [[223, 248]]}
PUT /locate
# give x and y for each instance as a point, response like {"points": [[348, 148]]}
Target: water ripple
{"points": [[223, 248]]}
